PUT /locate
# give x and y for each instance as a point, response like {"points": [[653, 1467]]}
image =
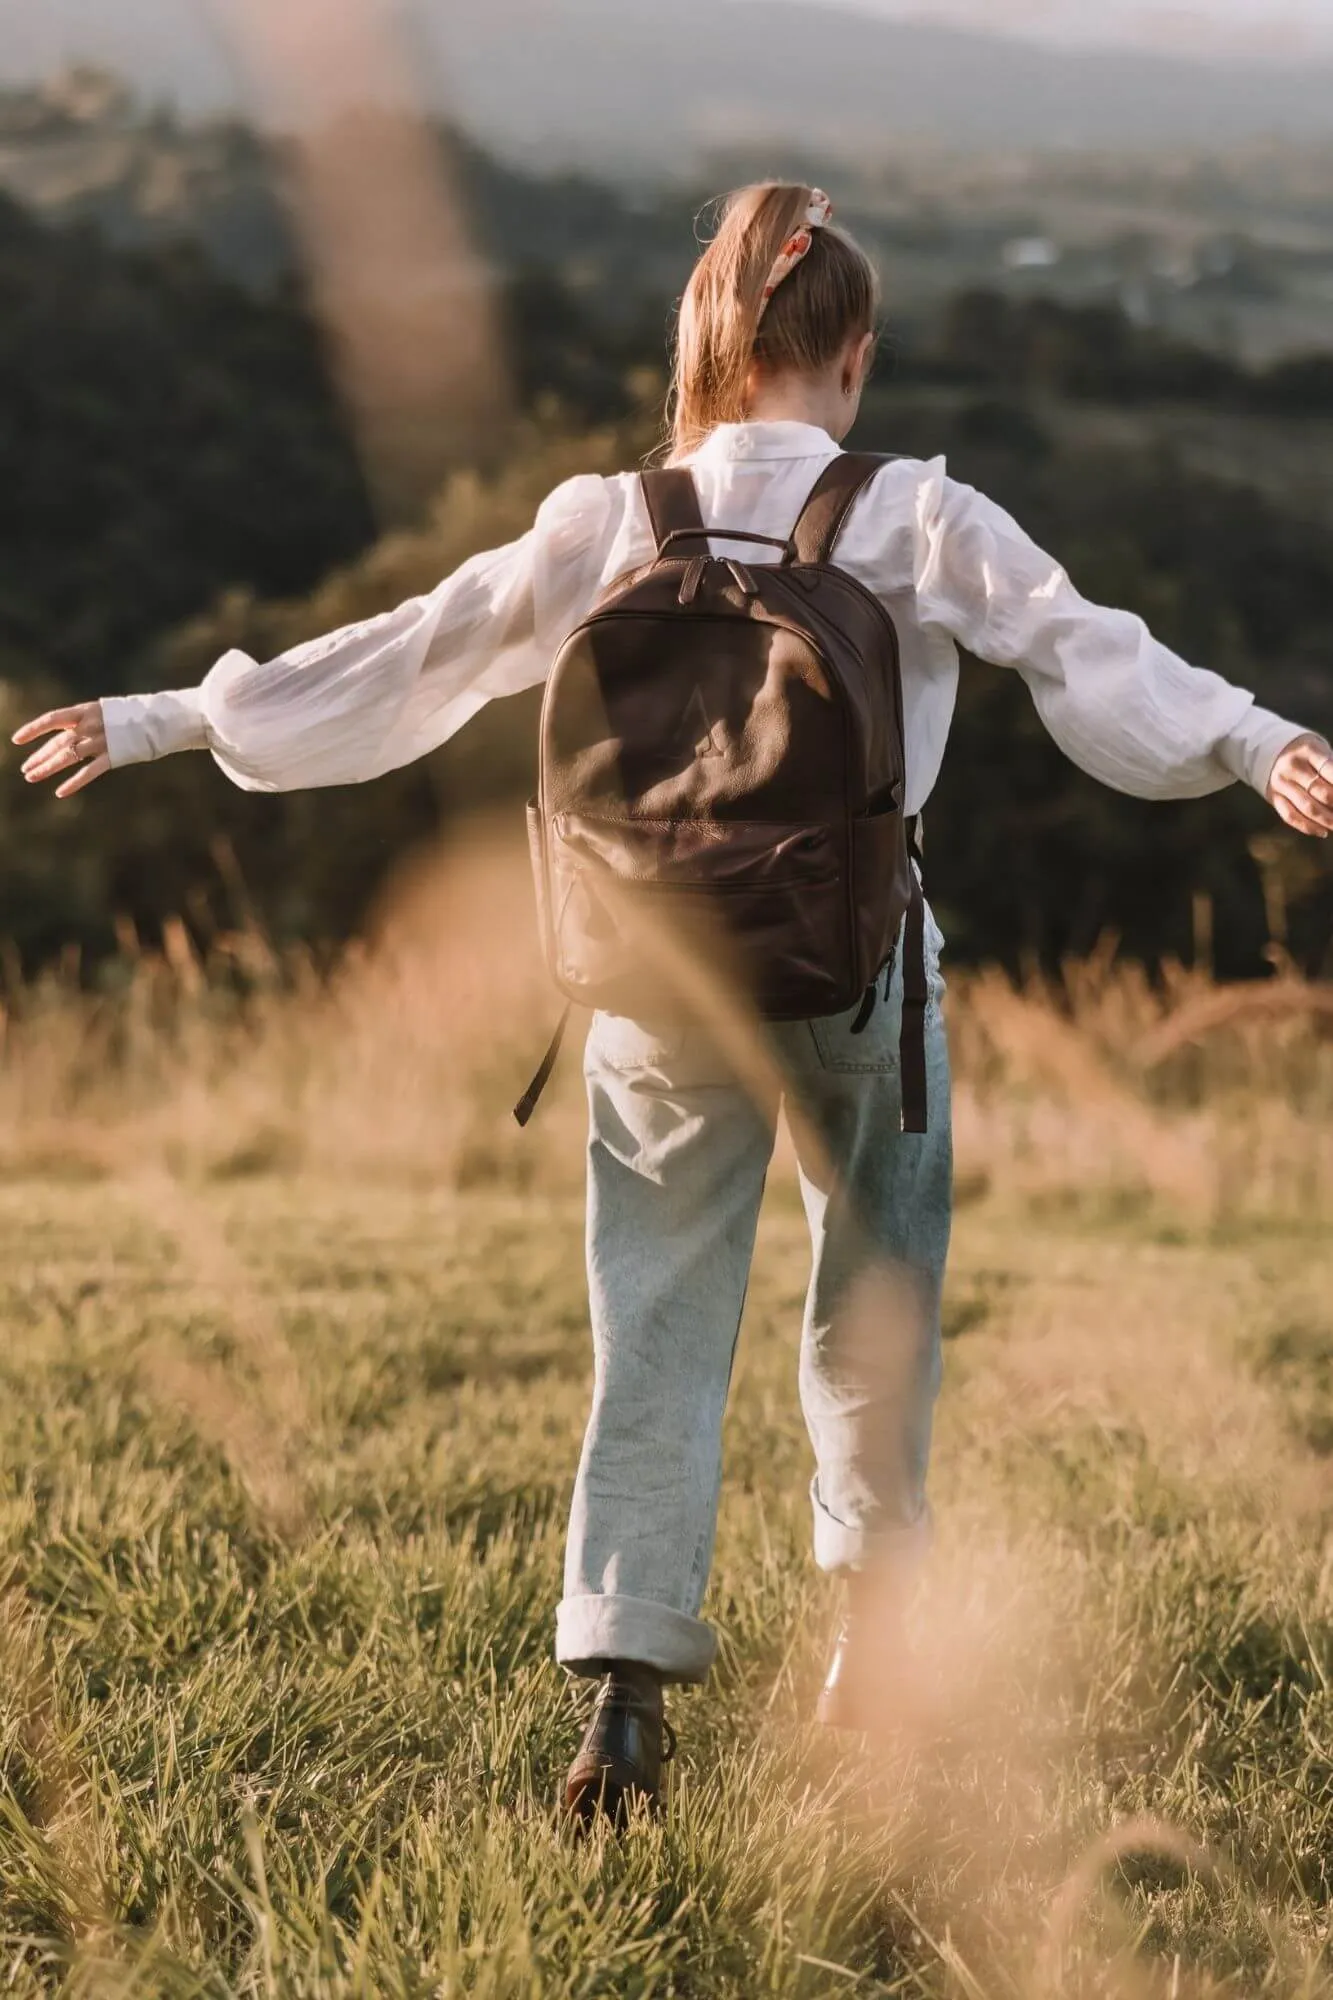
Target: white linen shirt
{"points": [[951, 567]]}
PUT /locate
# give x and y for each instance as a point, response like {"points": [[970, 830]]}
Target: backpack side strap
{"points": [[672, 500], [916, 993], [831, 500], [532, 1096], [916, 997]]}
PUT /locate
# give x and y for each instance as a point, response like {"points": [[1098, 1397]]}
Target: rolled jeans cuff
{"points": [[590, 1630], [839, 1547]]}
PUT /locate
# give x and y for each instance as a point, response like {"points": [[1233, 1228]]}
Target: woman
{"points": [[777, 331]]}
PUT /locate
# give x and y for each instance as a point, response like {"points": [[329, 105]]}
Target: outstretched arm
{"points": [[1124, 707], [373, 696]]}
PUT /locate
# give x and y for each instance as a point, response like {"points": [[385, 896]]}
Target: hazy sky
{"points": [[1264, 27], [170, 41]]}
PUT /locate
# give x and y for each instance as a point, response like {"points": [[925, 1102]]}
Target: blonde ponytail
{"points": [[830, 298]]}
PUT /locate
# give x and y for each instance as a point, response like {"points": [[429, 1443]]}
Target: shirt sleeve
{"points": [[377, 695], [1122, 706], [1256, 743]]}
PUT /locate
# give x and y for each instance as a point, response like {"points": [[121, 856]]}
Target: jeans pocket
{"points": [[935, 979], [615, 1042], [874, 1052]]}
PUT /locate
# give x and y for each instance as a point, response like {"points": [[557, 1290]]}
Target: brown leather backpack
{"points": [[722, 757]]}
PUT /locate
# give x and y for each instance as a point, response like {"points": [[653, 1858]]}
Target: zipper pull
{"points": [[745, 583], [693, 579]]}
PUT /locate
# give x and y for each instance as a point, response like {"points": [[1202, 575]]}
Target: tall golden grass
{"points": [[1067, 1653], [1103, 1084]]}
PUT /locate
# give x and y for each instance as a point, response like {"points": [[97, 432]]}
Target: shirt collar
{"points": [[781, 439]]}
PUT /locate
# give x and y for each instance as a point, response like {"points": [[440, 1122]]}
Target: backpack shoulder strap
{"points": [[673, 505], [832, 498]]}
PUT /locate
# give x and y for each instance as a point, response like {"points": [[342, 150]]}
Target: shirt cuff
{"points": [[143, 727], [1255, 744]]}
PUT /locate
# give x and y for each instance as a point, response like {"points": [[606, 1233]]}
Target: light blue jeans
{"points": [[678, 1152]]}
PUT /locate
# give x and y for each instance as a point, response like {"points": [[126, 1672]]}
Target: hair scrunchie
{"points": [[797, 247]]}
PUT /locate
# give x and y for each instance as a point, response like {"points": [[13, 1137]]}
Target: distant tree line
{"points": [[1096, 353], [164, 435]]}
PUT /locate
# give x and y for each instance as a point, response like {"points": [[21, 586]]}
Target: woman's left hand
{"points": [[78, 742], [1301, 787]]}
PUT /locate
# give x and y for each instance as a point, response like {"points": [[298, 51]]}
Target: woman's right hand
{"points": [[78, 744], [1301, 787]]}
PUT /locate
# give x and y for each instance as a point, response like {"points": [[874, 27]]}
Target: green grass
{"points": [[285, 1466]]}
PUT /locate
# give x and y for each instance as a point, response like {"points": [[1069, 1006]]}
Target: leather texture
{"points": [[624, 1747], [722, 759]]}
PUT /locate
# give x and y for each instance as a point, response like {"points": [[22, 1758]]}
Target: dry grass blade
{"points": [[404, 1062], [1120, 1843], [1279, 1000], [1043, 1049], [309, 1738], [405, 301], [60, 1821]]}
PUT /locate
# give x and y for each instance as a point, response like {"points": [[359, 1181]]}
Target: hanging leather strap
{"points": [[672, 501], [831, 500], [532, 1096], [916, 996]]}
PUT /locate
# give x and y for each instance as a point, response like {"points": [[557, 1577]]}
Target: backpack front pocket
{"points": [[636, 903]]}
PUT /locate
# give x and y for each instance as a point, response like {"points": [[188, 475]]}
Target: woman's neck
{"points": [[797, 399]]}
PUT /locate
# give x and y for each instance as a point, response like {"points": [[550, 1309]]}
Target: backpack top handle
{"points": [[672, 500], [724, 535]]}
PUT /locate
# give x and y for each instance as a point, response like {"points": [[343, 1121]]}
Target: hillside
{"points": [[166, 436], [1229, 250], [158, 410]]}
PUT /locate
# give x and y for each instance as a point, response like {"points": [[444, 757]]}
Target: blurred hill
{"points": [[621, 85], [618, 85], [180, 478], [165, 433], [81, 148], [1229, 249]]}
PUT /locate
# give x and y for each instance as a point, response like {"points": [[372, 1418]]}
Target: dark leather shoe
{"points": [[842, 1703], [868, 1684], [624, 1747]]}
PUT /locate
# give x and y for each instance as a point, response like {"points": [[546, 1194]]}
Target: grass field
{"points": [[295, 1375]]}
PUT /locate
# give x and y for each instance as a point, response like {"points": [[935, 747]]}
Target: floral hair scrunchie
{"points": [[797, 247]]}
